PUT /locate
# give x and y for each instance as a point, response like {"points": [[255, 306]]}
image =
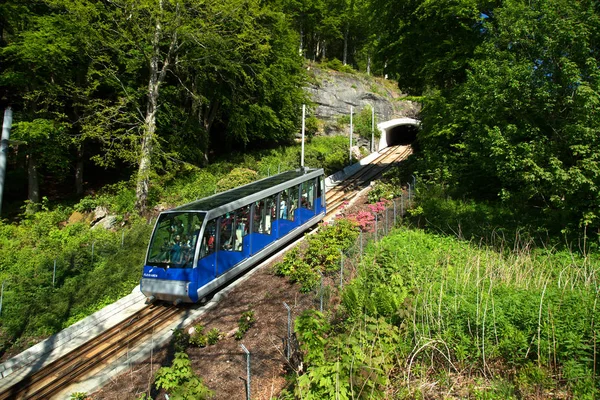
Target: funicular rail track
{"points": [[95, 353], [107, 347], [344, 192]]}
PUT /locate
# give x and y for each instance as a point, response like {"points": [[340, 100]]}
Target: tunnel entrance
{"points": [[401, 135], [398, 132]]}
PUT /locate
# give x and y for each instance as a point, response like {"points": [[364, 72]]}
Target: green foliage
{"points": [[311, 127], [321, 255], [329, 153], [337, 65], [354, 364], [531, 311], [237, 177], [32, 305], [213, 336], [246, 321], [201, 339], [198, 338], [362, 123], [180, 381], [385, 190], [516, 125], [79, 396], [429, 44], [180, 340]]}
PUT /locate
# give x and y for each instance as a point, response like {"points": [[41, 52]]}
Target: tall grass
{"points": [[472, 320]]}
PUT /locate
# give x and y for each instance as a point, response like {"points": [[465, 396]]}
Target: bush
{"points": [[362, 124], [337, 65], [246, 321], [213, 336], [237, 177], [320, 255], [311, 127], [180, 381], [198, 338], [180, 340]]}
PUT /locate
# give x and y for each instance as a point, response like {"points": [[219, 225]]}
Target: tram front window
{"points": [[174, 240]]}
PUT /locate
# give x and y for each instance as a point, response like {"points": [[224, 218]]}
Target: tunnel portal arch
{"points": [[401, 131]]}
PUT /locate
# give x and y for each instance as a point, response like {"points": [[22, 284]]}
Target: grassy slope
{"points": [[430, 314]]}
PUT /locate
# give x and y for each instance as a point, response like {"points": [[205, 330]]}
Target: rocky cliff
{"points": [[334, 92]]}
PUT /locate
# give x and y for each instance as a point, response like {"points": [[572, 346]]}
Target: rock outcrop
{"points": [[334, 93]]}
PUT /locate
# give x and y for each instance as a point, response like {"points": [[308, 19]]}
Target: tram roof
{"points": [[230, 196]]}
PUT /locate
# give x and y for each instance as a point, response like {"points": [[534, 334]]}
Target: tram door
{"points": [[207, 258]]}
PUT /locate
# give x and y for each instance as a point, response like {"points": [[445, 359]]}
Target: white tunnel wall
{"points": [[385, 127]]}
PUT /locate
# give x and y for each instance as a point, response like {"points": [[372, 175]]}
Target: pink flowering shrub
{"points": [[366, 219]]}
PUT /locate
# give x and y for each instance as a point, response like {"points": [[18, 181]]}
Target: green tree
{"points": [[430, 44], [521, 127], [43, 62]]}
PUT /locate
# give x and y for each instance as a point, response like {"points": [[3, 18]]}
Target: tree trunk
{"points": [[301, 40], [33, 192], [79, 171], [346, 34], [143, 177], [157, 76], [369, 64]]}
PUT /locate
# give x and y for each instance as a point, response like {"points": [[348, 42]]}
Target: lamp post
{"points": [[350, 151], [372, 128], [303, 129], [4, 148]]}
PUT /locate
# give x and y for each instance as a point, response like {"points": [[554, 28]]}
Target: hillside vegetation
{"points": [[431, 316]]}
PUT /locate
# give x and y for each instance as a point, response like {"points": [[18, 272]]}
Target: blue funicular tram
{"points": [[197, 247]]}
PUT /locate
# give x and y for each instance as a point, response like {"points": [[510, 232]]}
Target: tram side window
{"points": [[307, 199], [293, 201], [271, 212], [288, 203], [284, 204], [234, 226], [264, 212], [209, 240]]}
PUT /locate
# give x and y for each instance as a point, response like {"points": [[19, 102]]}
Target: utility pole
{"points": [[372, 128], [6, 125], [350, 162], [303, 129]]}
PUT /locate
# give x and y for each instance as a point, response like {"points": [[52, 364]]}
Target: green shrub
{"points": [[86, 204], [311, 127], [237, 177], [362, 124], [180, 381], [357, 363], [213, 336], [320, 255], [180, 340], [198, 338], [383, 190], [334, 64], [246, 321]]}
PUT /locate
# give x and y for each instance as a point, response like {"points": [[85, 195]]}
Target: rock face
{"points": [[334, 93]]}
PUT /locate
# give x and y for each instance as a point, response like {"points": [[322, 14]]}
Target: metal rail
{"points": [[94, 354]]}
